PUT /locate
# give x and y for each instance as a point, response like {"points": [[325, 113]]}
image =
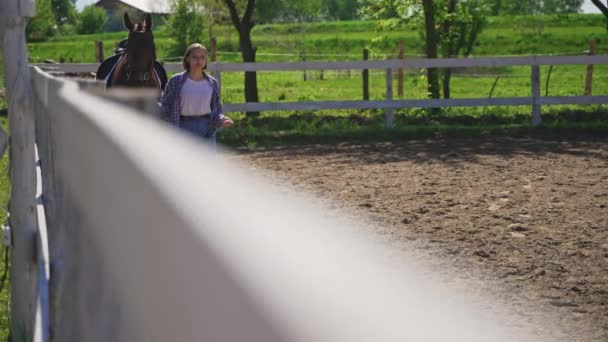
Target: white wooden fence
{"points": [[536, 100], [149, 241]]}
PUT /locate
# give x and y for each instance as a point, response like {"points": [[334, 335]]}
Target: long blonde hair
{"points": [[188, 52]]}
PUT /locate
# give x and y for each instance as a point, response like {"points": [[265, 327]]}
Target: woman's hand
{"points": [[227, 122]]}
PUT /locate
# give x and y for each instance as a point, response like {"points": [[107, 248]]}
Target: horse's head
{"points": [[140, 53]]}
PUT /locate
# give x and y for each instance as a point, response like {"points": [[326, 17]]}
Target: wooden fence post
{"points": [[536, 108], [589, 76], [400, 70], [365, 75], [388, 115], [98, 51], [213, 49], [24, 272]]}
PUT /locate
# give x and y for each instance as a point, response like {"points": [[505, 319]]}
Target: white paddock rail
{"points": [[536, 100], [149, 241]]}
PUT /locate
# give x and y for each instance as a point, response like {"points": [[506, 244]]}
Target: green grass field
{"points": [[346, 40], [336, 41]]}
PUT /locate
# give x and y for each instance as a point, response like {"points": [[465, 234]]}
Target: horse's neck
{"points": [[118, 69]]}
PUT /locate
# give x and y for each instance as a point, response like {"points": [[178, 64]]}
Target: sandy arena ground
{"points": [[529, 216]]}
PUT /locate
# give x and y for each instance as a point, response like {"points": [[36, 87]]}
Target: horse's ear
{"points": [[128, 23], [148, 21]]}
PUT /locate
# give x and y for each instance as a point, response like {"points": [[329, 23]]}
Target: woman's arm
{"points": [[166, 100], [218, 119], [216, 102]]}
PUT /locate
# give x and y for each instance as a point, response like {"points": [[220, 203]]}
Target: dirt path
{"points": [[530, 216]]}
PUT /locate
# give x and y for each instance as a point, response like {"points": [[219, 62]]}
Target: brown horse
{"points": [[135, 68]]}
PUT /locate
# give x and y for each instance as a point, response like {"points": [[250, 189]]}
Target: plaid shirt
{"points": [[170, 101]]}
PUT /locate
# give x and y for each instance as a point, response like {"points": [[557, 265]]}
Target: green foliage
{"points": [[92, 20], [185, 26], [523, 7], [302, 10], [384, 9], [341, 9], [66, 30], [345, 40], [64, 11], [457, 26], [562, 6], [268, 11], [43, 25], [460, 30]]}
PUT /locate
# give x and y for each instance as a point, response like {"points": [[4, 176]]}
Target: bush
{"points": [[185, 25], [43, 25], [92, 20]]}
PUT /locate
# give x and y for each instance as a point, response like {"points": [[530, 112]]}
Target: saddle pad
{"points": [[108, 64]]}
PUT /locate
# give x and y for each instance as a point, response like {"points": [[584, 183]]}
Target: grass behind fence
{"points": [[346, 39], [4, 196], [289, 86]]}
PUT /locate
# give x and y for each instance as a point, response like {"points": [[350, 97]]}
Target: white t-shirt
{"points": [[196, 97]]}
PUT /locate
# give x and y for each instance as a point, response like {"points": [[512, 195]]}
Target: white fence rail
{"points": [[148, 241], [535, 100]]}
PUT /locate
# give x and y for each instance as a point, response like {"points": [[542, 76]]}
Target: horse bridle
{"points": [[129, 68]]}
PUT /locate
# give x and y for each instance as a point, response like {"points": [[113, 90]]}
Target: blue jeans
{"points": [[198, 127]]}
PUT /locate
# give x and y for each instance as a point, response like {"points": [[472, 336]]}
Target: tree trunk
{"points": [[248, 53], [447, 77], [447, 32], [244, 26], [496, 7], [431, 47], [603, 8]]}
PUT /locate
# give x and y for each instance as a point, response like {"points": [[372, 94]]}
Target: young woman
{"points": [[191, 99]]}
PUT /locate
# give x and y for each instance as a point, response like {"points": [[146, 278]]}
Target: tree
{"points": [[43, 24], [496, 7], [531, 7], [562, 6], [603, 8], [462, 23], [91, 20], [341, 9], [431, 46], [381, 9], [215, 12], [65, 11], [522, 7], [268, 11], [450, 27], [185, 25], [302, 10], [244, 24]]}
